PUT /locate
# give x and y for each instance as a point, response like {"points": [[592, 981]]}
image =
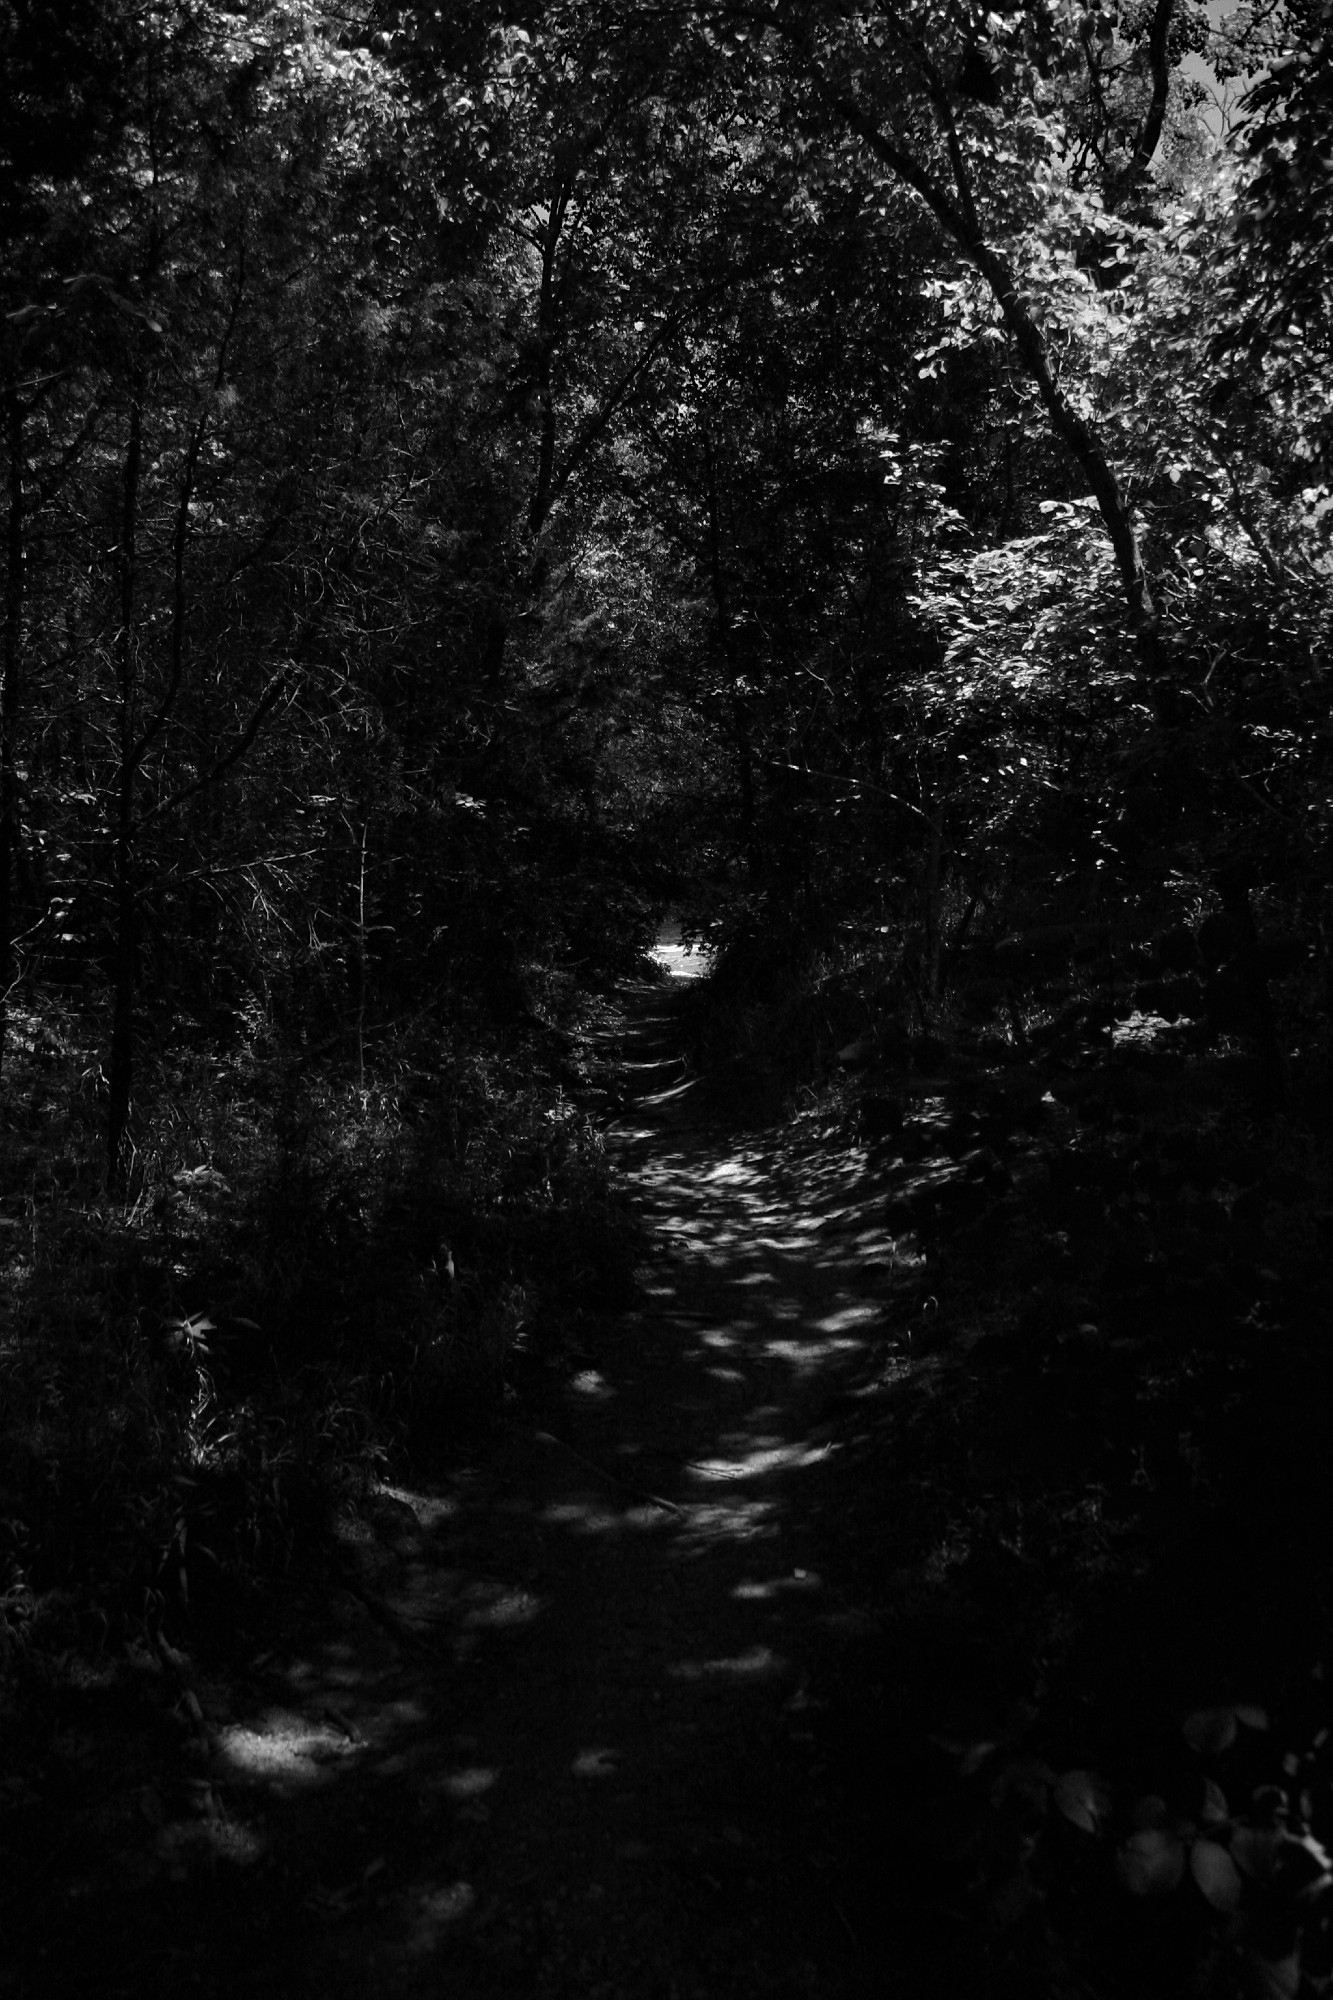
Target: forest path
{"points": [[557, 1741]]}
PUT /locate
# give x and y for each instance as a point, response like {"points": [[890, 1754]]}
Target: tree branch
{"points": [[180, 537], [907, 169], [959, 217], [268, 701]]}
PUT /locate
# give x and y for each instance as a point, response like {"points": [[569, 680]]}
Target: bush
{"points": [[309, 1280]]}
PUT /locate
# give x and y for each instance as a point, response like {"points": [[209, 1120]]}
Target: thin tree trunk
{"points": [[120, 1068], [543, 492], [361, 961], [722, 650], [9, 704], [933, 928]]}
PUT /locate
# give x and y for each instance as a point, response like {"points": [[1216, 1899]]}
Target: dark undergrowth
{"points": [[1086, 1503], [1083, 1506], [311, 1284]]}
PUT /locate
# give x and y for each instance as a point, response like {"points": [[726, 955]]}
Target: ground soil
{"points": [[554, 1726], [740, 1658]]}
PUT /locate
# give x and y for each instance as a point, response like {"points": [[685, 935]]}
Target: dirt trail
{"points": [[557, 1741]]}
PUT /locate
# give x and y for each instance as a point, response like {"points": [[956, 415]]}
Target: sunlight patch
{"points": [[798, 1582], [284, 1746], [753, 1464], [670, 1094], [807, 1356], [471, 1782], [595, 1764], [585, 1515], [854, 1313], [737, 1519], [588, 1382], [680, 961], [761, 1591], [436, 1912], [759, 1663], [1140, 1030], [511, 1607]]}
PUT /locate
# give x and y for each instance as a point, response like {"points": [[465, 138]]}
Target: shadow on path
{"points": [[556, 1740]]}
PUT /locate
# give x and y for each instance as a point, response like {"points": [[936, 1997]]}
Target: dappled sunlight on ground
{"points": [[554, 1729], [566, 1728], [761, 1460], [283, 1747], [759, 1663]]}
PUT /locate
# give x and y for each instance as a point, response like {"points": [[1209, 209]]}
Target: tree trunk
{"points": [[120, 1067], [361, 960], [9, 705], [548, 330], [722, 653], [932, 926]]}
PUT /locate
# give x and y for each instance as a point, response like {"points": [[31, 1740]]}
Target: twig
{"points": [[384, 1615], [625, 1485]]}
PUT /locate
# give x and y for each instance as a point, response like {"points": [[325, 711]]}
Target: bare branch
{"points": [[267, 702]]}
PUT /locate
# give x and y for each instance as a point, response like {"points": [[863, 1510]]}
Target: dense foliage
{"points": [[472, 477]]}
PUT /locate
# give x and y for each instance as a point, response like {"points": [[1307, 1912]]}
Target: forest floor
{"points": [[547, 1727], [676, 1688]]}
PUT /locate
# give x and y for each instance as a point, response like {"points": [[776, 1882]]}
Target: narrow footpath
{"points": [[560, 1735]]}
